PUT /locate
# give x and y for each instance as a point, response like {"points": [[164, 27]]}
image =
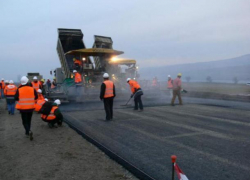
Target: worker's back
{"points": [[177, 84]]}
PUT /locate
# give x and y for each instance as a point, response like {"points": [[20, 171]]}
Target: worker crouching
{"points": [[107, 95], [39, 104], [136, 93], [10, 91], [55, 115]]}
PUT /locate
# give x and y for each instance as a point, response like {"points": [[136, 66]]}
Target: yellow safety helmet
{"points": [[42, 80], [54, 78], [179, 74]]}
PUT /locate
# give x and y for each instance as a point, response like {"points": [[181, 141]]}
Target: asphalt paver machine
{"points": [[96, 60]]}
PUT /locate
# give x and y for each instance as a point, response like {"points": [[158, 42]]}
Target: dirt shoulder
{"points": [[54, 154]]}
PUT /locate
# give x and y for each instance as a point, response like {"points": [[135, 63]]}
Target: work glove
{"points": [[131, 95]]}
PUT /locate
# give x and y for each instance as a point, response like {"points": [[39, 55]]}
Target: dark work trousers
{"points": [[108, 105], [176, 93], [79, 89], [26, 117], [138, 101]]}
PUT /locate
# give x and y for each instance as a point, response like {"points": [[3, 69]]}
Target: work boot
{"points": [[31, 135], [140, 110], [50, 125], [172, 105]]}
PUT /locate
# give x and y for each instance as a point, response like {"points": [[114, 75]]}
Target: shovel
{"points": [[127, 103]]}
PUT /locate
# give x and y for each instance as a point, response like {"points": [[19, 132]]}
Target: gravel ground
{"points": [[54, 154]]}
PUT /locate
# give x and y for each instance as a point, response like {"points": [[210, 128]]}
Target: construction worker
{"points": [[54, 84], [39, 104], [40, 95], [6, 84], [10, 91], [136, 93], [78, 82], [107, 95], [48, 84], [177, 89], [55, 115], [36, 84], [78, 64], [155, 82], [42, 84], [170, 86], [26, 97], [2, 88]]}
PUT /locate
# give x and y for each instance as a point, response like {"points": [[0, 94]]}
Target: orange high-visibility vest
{"points": [[134, 85], [36, 86], [78, 78], [40, 97], [78, 62], [52, 85], [109, 91], [26, 98], [51, 115], [154, 82], [3, 84], [10, 90], [39, 104], [170, 84]]}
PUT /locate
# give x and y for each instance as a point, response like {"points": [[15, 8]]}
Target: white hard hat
{"points": [[34, 78], [74, 71], [105, 75], [39, 91], [57, 101], [24, 80], [169, 76], [11, 82], [2, 79], [6, 81], [128, 79], [46, 99]]}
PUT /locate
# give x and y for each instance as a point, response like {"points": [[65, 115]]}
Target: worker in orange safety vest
{"points": [[10, 91], [136, 93], [39, 104], [26, 97], [36, 84], [54, 84], [2, 86], [177, 88], [78, 82], [40, 95], [78, 65], [107, 95], [170, 86], [55, 115]]}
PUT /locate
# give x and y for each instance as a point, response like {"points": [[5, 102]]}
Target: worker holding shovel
{"points": [[136, 93]]}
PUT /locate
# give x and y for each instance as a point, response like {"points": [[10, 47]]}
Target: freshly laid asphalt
{"points": [[209, 137]]}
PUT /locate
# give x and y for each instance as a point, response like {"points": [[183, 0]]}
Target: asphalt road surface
{"points": [[209, 137]]}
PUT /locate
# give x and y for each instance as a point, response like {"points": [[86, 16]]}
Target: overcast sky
{"points": [[154, 32]]}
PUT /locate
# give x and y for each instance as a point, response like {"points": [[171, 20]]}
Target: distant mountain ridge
{"points": [[220, 70]]}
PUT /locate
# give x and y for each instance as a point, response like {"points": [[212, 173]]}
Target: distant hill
{"points": [[220, 71]]}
